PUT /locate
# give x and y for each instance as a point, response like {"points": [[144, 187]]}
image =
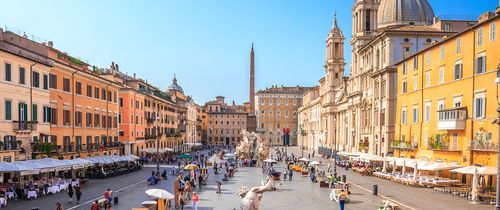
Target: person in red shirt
{"points": [[195, 201], [95, 206], [107, 195]]}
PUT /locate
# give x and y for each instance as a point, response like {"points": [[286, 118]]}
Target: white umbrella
{"points": [[404, 168], [270, 161], [437, 167], [158, 193], [314, 163], [303, 159], [475, 185]]}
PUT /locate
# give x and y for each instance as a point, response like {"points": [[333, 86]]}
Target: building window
{"points": [[481, 64], [45, 82], [479, 106], [480, 36], [53, 81], [66, 117], [8, 110], [23, 111], [415, 115], [403, 116], [34, 113], [120, 102], [415, 63], [458, 71], [53, 116], [89, 90], [427, 112], [493, 28], [36, 79], [96, 92], [404, 67], [441, 75], [22, 75], [415, 82], [441, 105], [459, 45], [446, 26], [427, 79], [428, 58], [403, 87], [46, 114], [97, 120], [78, 88], [8, 72], [78, 118], [103, 94], [66, 86], [88, 119]]}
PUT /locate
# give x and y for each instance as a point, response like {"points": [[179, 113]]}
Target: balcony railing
{"points": [[404, 145], [25, 125], [452, 119], [10, 146], [443, 147], [482, 146]]}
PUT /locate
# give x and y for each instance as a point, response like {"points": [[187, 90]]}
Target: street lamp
{"points": [[497, 121]]}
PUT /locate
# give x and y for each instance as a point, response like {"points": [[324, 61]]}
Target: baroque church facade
{"points": [[357, 113]]}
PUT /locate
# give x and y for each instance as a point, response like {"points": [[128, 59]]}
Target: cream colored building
{"points": [[311, 124], [24, 103], [359, 110]]}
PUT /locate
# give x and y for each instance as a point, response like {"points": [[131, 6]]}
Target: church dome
{"points": [[174, 86], [404, 12]]}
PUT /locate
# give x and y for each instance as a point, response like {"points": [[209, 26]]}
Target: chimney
{"points": [[112, 65], [117, 67], [485, 16], [134, 75], [51, 44]]}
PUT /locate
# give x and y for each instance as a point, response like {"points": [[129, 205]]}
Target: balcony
{"points": [[452, 119], [483, 146], [21, 126], [441, 146], [396, 144]]}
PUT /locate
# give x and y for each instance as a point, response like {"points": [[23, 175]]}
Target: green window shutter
{"points": [[19, 111], [8, 110], [34, 112], [25, 112]]}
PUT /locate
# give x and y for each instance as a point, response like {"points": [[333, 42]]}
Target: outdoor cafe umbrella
{"points": [[270, 161], [314, 163], [303, 159], [191, 167], [475, 186], [158, 193]]}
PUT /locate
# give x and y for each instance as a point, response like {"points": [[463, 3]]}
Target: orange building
{"points": [[84, 108]]}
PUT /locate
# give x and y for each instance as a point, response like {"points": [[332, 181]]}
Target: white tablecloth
{"points": [[53, 189], [9, 195], [32, 194]]}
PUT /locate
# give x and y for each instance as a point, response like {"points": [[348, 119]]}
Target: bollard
{"points": [[375, 189], [344, 178]]}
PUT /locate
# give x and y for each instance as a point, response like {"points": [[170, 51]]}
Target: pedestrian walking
{"points": [[342, 199], [290, 175], [218, 187], [58, 206], [70, 192], [78, 192], [195, 201], [200, 180], [181, 200]]}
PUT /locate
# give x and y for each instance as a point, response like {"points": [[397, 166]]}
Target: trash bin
{"points": [[344, 178], [375, 189]]}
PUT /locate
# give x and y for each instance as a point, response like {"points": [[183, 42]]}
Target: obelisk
{"points": [[252, 119]]}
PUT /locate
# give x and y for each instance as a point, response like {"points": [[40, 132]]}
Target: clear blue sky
{"points": [[206, 43]]}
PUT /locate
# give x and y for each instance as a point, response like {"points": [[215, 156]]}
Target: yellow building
{"points": [[447, 98]]}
